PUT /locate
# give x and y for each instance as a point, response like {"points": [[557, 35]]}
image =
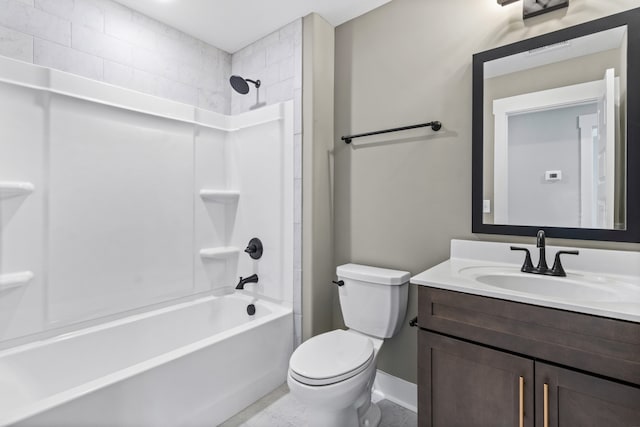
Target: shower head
{"points": [[240, 85]]}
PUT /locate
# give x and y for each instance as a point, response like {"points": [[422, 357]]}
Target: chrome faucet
{"points": [[542, 267], [251, 279]]}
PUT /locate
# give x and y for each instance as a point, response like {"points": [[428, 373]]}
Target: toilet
{"points": [[333, 373]]}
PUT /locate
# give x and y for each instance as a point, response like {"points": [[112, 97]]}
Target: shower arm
{"points": [[255, 82]]}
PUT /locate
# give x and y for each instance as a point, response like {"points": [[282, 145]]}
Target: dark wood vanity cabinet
{"points": [[580, 399], [480, 364], [463, 384]]}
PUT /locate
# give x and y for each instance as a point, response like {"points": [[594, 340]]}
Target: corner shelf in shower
{"points": [[14, 280], [219, 253], [219, 196], [10, 189]]}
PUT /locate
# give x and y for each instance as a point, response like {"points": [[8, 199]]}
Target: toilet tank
{"points": [[373, 300]]}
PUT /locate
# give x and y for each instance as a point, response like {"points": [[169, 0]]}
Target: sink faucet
{"points": [[542, 267], [251, 279]]}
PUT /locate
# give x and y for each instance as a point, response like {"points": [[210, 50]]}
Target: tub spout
{"points": [[251, 279]]}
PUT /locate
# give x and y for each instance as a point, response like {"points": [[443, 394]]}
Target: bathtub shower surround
{"points": [[113, 201], [106, 41], [276, 60]]}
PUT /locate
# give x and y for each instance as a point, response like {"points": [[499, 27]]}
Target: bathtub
{"points": [[191, 364]]}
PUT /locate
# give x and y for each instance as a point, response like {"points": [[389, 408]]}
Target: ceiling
{"points": [[233, 24]]}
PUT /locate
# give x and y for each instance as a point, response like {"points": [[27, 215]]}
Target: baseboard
{"points": [[396, 390]]}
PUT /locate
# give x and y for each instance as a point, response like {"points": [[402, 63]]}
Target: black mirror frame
{"points": [[631, 18]]}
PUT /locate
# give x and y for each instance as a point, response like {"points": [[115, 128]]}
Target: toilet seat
{"points": [[331, 357]]}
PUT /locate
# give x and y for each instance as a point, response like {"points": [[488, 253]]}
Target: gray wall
{"points": [[317, 207], [399, 200], [535, 148]]}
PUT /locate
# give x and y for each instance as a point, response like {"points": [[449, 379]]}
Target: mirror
{"points": [[556, 133]]}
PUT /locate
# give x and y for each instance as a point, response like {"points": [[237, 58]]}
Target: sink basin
{"points": [[599, 282], [573, 288], [547, 286]]}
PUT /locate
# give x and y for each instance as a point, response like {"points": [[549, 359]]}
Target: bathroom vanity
{"points": [[498, 347]]}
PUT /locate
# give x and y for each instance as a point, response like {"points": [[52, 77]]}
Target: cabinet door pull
{"points": [[546, 405], [521, 403]]}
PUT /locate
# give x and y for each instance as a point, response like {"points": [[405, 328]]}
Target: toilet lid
{"points": [[331, 357]]}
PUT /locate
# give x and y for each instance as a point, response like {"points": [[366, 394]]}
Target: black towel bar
{"points": [[435, 125]]}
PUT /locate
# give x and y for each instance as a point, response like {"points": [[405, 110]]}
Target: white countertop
{"points": [[616, 271]]}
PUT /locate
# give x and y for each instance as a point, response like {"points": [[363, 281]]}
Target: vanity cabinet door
{"points": [[576, 399], [465, 385]]}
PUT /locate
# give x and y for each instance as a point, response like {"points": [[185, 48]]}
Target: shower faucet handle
{"points": [[254, 248]]}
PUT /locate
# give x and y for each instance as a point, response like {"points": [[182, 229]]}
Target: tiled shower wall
{"points": [[276, 60], [105, 41]]}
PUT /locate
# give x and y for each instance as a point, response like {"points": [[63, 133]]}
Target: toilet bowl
{"points": [[333, 373]]}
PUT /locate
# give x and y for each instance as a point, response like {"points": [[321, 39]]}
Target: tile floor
{"points": [[280, 409]]}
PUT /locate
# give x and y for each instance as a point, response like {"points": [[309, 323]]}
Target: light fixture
{"points": [[532, 8], [506, 2]]}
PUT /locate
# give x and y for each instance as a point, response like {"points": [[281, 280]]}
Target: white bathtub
{"points": [[192, 364]]}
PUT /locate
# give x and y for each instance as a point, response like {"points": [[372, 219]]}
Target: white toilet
{"points": [[333, 373]]}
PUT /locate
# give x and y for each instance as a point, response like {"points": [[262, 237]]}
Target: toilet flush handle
{"points": [[339, 282]]}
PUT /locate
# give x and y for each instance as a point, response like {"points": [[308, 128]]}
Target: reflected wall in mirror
{"points": [[552, 139], [541, 166]]}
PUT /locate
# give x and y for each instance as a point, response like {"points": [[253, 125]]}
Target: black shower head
{"points": [[240, 85]]}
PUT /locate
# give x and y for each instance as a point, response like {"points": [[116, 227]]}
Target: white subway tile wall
{"points": [[50, 54], [105, 41], [275, 60], [16, 45]]}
